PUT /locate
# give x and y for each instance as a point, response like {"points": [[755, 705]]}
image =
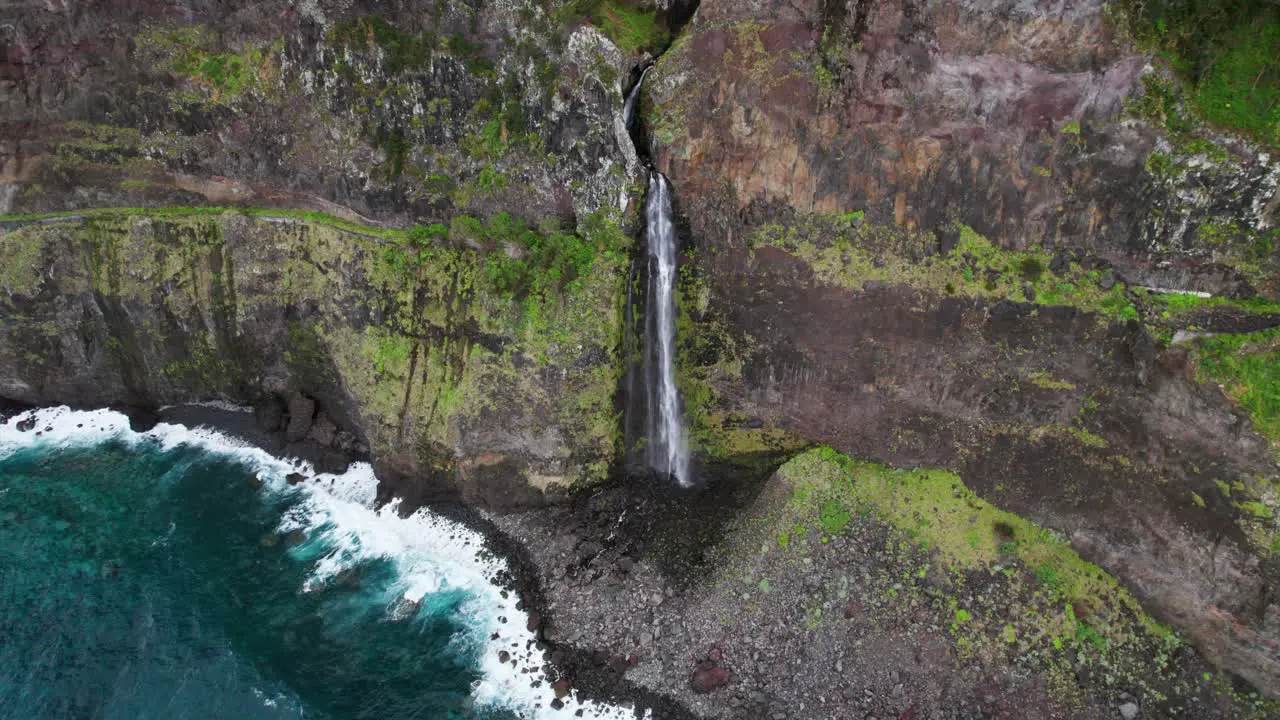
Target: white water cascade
{"points": [[629, 107], [665, 446], [667, 449]]}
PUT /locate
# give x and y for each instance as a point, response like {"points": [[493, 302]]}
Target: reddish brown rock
{"points": [[709, 679]]}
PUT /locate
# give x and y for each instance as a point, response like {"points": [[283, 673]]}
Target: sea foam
{"points": [[431, 553]]}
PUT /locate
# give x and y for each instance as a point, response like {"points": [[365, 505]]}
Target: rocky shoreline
{"points": [[684, 604], [570, 666]]}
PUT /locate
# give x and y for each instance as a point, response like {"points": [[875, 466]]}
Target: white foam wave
{"points": [[432, 554]]}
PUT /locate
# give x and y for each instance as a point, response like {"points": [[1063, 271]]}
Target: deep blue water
{"points": [[144, 581]]}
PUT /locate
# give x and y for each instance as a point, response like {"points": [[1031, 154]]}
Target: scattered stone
{"points": [[295, 478], [1060, 264], [561, 687], [948, 238], [1107, 281], [534, 621], [626, 564], [1128, 711], [504, 656], [27, 425], [588, 550]]}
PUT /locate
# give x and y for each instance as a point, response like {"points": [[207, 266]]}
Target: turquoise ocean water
{"points": [[175, 574]]}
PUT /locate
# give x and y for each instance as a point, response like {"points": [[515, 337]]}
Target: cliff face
{"points": [[918, 229], [408, 348], [493, 128], [1029, 122], [397, 112]]}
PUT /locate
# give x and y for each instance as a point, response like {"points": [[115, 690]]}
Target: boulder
{"points": [[709, 677], [302, 410], [269, 414], [323, 430]]}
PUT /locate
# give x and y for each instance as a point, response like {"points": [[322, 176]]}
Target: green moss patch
{"points": [[1005, 589], [936, 510], [633, 25], [844, 251], [1248, 368], [1227, 54], [1170, 305], [193, 53]]}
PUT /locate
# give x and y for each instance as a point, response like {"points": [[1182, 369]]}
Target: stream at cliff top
{"points": [[178, 574]]}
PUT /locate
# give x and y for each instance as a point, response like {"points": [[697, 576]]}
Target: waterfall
{"points": [[629, 107], [667, 449]]}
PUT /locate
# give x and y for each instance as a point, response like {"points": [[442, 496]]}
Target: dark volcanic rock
{"points": [[323, 431], [302, 411], [269, 414], [904, 119]]}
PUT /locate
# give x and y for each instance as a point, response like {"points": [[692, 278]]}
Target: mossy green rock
{"points": [[440, 373]]}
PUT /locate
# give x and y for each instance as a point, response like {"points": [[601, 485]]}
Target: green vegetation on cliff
{"points": [[428, 329], [193, 53], [1170, 305], [1008, 588], [1228, 53], [844, 251], [936, 511], [633, 25], [1248, 367]]}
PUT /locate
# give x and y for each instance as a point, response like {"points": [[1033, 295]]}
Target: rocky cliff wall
{"points": [[405, 344], [399, 111], [917, 232], [494, 129]]}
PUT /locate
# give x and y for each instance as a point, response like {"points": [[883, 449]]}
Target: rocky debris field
{"points": [[699, 598]]}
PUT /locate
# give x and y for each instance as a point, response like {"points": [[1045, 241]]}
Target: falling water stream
{"points": [[666, 448], [668, 451]]}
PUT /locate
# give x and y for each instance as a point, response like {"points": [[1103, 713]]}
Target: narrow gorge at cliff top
{"points": [[967, 312]]}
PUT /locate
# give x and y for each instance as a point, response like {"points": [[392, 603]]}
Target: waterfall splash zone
{"points": [[181, 573]]}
